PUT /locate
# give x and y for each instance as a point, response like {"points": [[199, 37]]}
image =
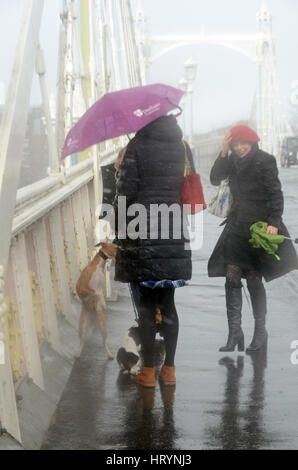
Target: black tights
{"points": [[254, 284], [147, 301]]}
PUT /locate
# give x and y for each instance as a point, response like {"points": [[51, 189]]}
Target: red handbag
{"points": [[192, 196]]}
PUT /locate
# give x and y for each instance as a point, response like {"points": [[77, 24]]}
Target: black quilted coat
{"points": [[152, 172], [257, 196]]}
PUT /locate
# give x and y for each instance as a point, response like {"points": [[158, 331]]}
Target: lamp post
{"points": [[190, 67], [183, 85]]}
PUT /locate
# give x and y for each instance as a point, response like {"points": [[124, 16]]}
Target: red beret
{"points": [[242, 132]]}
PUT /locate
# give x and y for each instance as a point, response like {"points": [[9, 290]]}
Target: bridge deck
{"points": [[230, 401]]}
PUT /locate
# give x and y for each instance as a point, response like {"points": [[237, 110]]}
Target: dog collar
{"points": [[103, 255]]}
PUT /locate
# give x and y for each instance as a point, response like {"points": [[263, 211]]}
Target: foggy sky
{"points": [[226, 81]]}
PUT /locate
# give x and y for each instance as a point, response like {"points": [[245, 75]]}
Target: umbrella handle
{"points": [[295, 240], [176, 106]]}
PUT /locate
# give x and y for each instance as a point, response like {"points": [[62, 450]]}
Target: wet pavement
{"points": [[221, 400]]}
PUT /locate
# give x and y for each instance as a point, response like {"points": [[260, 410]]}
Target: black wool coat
{"points": [[257, 196], [152, 172]]}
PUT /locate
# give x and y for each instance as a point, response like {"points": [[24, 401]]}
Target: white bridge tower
{"points": [[260, 49]]}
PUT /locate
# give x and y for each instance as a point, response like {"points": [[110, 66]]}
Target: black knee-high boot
{"points": [[258, 299], [234, 306]]}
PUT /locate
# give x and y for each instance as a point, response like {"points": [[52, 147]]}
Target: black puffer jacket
{"points": [[152, 172], [257, 196]]}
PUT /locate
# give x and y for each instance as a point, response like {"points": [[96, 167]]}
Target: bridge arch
{"points": [[259, 49], [235, 48]]}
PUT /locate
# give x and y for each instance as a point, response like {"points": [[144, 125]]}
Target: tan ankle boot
{"points": [[167, 375], [146, 377]]}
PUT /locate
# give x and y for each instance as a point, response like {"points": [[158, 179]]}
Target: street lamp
{"points": [[190, 67], [183, 85]]}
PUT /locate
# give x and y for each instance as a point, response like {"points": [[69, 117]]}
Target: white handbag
{"points": [[222, 201]]}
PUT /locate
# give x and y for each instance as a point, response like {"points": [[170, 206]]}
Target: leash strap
{"points": [[133, 304]]}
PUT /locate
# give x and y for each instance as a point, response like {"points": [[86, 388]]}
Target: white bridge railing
{"points": [[52, 240], [47, 232]]}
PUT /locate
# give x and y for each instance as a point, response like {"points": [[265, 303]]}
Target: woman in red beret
{"points": [[257, 196]]}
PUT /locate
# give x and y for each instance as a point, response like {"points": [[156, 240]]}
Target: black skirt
{"points": [[238, 250]]}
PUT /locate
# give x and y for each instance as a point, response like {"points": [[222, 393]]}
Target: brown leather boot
{"points": [[146, 377], [167, 375]]}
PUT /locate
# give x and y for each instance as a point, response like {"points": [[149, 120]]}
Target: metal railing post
{"points": [[41, 70], [12, 135]]}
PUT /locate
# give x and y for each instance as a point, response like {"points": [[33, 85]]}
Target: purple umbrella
{"points": [[119, 113]]}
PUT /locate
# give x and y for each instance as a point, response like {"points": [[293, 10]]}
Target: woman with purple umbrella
{"points": [[152, 173]]}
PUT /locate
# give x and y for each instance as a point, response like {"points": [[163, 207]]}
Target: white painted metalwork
{"points": [[140, 24], [25, 310], [123, 52], [41, 70], [12, 132], [100, 89], [70, 240], [130, 46], [69, 72], [60, 264], [115, 62], [36, 200], [80, 56], [244, 44], [98, 48], [8, 408], [45, 284], [272, 124], [59, 211], [190, 69], [60, 95], [87, 219], [46, 202], [92, 203], [80, 229], [13, 125], [259, 48]]}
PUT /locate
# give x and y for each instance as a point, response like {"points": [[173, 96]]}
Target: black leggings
{"points": [[147, 301]]}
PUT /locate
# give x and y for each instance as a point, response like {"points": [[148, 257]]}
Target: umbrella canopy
{"points": [[261, 239], [119, 113]]}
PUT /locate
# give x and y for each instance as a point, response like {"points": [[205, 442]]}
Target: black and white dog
{"points": [[128, 355]]}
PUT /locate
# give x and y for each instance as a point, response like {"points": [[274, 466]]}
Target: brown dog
{"points": [[90, 290]]}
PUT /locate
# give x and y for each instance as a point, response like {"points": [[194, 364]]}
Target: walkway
{"points": [[221, 401]]}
